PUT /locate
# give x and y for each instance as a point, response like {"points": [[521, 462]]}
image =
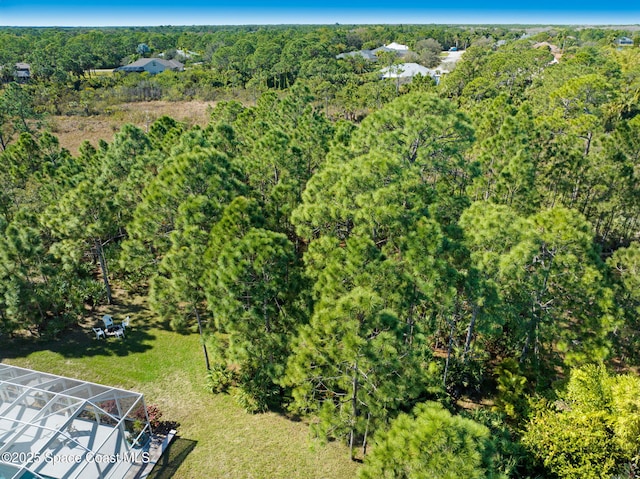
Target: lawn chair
{"points": [[124, 324], [99, 333], [108, 321], [118, 332]]}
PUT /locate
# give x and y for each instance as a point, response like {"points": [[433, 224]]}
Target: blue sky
{"points": [[225, 12]]}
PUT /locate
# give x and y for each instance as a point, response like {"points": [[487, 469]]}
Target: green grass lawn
{"points": [[218, 439]]}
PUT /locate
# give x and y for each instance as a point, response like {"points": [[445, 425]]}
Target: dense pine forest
{"points": [[445, 277]]}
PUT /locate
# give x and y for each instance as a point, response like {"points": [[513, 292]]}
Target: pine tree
{"points": [[251, 292], [352, 367], [431, 443]]}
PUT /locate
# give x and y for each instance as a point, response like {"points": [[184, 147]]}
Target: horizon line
{"points": [[324, 24]]}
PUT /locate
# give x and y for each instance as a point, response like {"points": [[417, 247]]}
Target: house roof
{"points": [[407, 70], [43, 416], [393, 47], [399, 50], [397, 46], [140, 64], [367, 54], [383, 48]]}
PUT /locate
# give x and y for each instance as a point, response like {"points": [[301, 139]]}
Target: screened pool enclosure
{"points": [[56, 427]]}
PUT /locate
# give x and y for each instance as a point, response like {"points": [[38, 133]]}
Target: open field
{"points": [[73, 130], [222, 441]]}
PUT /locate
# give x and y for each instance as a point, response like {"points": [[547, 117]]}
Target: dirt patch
{"points": [[555, 51], [191, 112], [448, 60], [72, 131]]}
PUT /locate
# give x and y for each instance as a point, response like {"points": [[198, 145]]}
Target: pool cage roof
{"points": [[56, 427]]}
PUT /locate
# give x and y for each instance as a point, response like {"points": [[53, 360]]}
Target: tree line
{"points": [[475, 240], [237, 62]]}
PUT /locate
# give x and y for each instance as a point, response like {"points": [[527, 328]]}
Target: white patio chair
{"points": [[124, 324], [118, 333], [99, 333], [108, 321]]}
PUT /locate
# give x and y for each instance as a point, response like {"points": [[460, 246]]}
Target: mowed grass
{"points": [[219, 439]]}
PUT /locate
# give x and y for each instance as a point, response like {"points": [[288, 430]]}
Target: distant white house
{"points": [[151, 65], [398, 47], [624, 41], [409, 70], [372, 55]]}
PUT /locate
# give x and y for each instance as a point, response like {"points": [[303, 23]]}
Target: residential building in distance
{"points": [[372, 55], [22, 73], [624, 42], [151, 65], [408, 70]]}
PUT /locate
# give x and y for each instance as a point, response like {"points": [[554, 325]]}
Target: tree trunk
{"points": [[265, 315], [472, 323], [103, 268], [411, 319], [204, 345], [587, 143], [354, 409], [449, 349], [366, 433]]}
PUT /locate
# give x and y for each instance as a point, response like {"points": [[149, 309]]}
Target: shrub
{"points": [[153, 412], [431, 443], [219, 379], [592, 431]]}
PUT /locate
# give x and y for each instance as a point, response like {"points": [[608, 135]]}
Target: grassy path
{"points": [[169, 369]]}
